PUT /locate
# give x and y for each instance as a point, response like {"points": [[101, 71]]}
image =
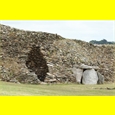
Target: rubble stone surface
{"points": [[23, 52]]}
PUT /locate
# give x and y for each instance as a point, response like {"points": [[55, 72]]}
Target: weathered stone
{"points": [[43, 83], [50, 75], [100, 78], [78, 73], [83, 66], [90, 77], [51, 81]]}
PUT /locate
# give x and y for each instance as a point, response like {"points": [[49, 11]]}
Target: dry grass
{"points": [[11, 89]]}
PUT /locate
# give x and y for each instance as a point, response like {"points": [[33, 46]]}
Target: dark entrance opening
{"points": [[36, 62]]}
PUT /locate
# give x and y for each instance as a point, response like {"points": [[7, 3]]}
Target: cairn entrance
{"points": [[36, 63]]}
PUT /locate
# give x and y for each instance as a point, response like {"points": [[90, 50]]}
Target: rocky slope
{"points": [[49, 56]]}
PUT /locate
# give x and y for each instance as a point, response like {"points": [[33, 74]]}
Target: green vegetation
{"points": [[12, 89], [104, 41]]}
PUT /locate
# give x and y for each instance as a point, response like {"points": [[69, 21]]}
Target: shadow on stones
{"points": [[36, 63]]}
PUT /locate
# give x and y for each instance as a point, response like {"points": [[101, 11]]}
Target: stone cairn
{"points": [[34, 57]]}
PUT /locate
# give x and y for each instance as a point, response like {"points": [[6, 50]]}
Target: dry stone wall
{"points": [[50, 56]]}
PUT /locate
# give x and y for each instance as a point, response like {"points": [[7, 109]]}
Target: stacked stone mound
{"points": [[50, 56], [67, 53]]}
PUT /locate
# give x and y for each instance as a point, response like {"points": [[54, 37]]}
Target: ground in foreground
{"points": [[12, 89]]}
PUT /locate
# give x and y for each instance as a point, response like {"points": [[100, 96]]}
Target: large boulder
{"points": [[90, 77], [78, 73]]}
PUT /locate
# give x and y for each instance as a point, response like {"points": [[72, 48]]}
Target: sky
{"points": [[82, 30]]}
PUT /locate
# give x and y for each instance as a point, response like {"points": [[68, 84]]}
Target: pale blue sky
{"points": [[83, 30]]}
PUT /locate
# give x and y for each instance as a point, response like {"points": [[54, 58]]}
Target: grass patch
{"points": [[12, 89]]}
